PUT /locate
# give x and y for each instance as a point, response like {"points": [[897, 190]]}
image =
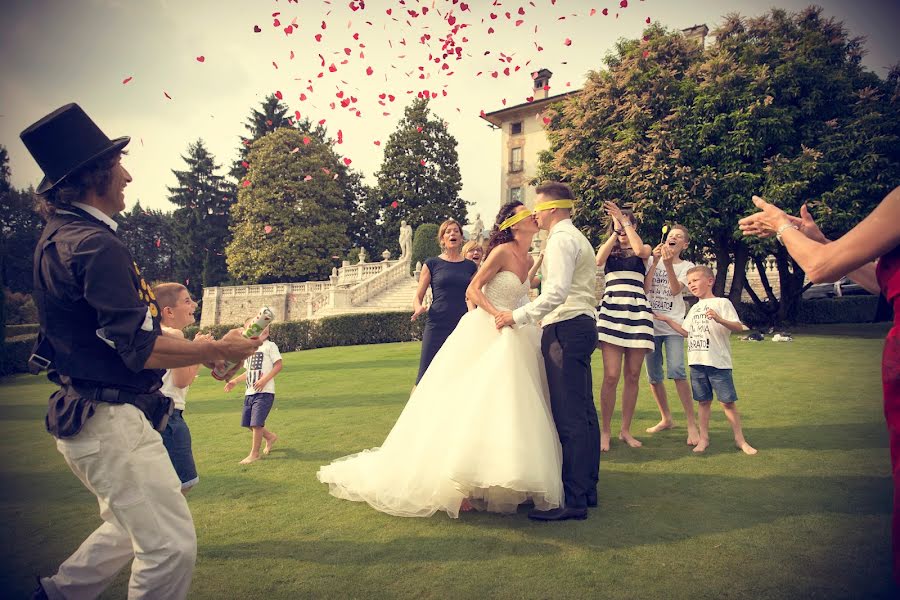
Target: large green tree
{"points": [[200, 224], [292, 211], [271, 115], [419, 180], [150, 238], [778, 105], [20, 229]]}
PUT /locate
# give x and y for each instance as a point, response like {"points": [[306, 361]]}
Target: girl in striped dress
{"points": [[625, 323]]}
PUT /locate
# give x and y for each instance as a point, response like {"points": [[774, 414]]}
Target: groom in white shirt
{"points": [[566, 310]]}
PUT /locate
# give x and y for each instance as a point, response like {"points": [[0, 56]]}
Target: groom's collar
{"points": [[560, 225]]}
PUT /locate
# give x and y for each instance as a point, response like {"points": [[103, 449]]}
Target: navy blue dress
{"points": [[449, 281]]}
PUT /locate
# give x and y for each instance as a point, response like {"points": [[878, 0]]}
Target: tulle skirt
{"points": [[478, 426]]}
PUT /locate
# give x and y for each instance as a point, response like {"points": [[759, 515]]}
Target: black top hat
{"points": [[64, 141]]}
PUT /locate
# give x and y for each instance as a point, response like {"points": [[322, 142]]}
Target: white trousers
{"points": [[121, 459]]}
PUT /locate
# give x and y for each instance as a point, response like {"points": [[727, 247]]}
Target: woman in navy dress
{"points": [[448, 275]]}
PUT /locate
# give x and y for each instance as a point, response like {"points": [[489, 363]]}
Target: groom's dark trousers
{"points": [[567, 347]]}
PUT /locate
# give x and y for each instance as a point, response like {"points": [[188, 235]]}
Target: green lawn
{"points": [[808, 517]]}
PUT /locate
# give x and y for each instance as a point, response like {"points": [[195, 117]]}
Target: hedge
{"points": [[847, 309], [14, 330], [16, 350], [425, 244]]}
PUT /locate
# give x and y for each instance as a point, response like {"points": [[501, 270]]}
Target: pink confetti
{"points": [[246, 183], [267, 229], [201, 59], [395, 204], [567, 42], [306, 141], [126, 80], [369, 70], [347, 161]]}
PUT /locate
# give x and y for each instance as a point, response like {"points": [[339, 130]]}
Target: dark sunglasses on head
{"points": [[619, 231]]}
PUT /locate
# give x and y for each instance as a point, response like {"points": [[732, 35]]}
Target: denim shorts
{"points": [[706, 380], [674, 345], [256, 409], [177, 440]]}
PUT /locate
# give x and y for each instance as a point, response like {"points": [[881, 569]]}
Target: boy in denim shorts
{"points": [[708, 326], [664, 284], [260, 370]]}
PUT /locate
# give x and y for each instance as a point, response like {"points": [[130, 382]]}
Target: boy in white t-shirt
{"points": [[664, 284], [260, 370], [708, 327], [177, 310]]}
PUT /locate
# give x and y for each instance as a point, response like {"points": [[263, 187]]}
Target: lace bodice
{"points": [[505, 291]]}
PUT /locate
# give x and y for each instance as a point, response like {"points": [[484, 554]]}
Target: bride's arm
{"points": [[534, 279], [489, 268]]}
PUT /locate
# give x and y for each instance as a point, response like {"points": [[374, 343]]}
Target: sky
{"points": [[194, 69]]}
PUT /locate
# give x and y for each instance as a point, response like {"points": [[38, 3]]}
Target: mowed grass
{"points": [[808, 517]]}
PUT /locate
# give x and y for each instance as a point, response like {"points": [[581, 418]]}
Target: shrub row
{"points": [[848, 309], [15, 330], [16, 350], [341, 330]]}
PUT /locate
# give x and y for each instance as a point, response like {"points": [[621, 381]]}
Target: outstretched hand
{"points": [[766, 222]]}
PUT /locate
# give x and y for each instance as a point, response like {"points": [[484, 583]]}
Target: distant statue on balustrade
{"points": [[406, 241], [477, 229], [362, 255]]}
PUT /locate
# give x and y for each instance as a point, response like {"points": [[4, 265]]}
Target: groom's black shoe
{"points": [[592, 499], [559, 514]]}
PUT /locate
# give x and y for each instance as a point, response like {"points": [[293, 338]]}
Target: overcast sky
{"points": [[59, 51]]}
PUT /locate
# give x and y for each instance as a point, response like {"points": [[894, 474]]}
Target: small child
{"points": [[260, 371], [708, 326], [177, 310], [664, 284]]}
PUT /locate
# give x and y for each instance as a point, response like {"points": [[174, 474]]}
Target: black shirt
{"points": [[96, 311]]}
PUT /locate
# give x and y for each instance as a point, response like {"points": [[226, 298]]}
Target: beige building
{"points": [[522, 140]]}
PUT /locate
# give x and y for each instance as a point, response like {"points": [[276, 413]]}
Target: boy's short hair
{"points": [[167, 294], [682, 229], [701, 269], [555, 190]]}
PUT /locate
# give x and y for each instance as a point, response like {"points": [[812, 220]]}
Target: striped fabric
{"points": [[624, 316]]}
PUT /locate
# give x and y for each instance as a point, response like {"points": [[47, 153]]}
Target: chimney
{"points": [[541, 83], [697, 33]]}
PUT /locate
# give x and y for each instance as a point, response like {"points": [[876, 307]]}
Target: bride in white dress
{"points": [[477, 430]]}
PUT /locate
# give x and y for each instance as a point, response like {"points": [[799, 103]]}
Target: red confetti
{"points": [[126, 80], [646, 53], [624, 3], [158, 242], [340, 137], [332, 68], [267, 229], [347, 161], [605, 11], [547, 120], [377, 143], [305, 141], [648, 20], [369, 71], [245, 164], [256, 29], [246, 183], [278, 95], [395, 204], [593, 12], [324, 26], [567, 42], [200, 59], [297, 114], [318, 37], [422, 162], [166, 94]]}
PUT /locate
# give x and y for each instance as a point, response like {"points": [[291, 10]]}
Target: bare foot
{"points": [[466, 506], [661, 426], [604, 442], [270, 444], [250, 458], [747, 448], [693, 437], [701, 446], [629, 439]]}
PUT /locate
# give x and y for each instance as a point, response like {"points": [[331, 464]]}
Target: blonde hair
{"points": [[444, 227], [471, 245], [167, 294], [706, 271]]}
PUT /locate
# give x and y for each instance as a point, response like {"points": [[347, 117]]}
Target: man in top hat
{"points": [[100, 339]]}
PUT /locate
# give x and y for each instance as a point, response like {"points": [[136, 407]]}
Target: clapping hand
{"points": [[766, 222], [614, 212]]}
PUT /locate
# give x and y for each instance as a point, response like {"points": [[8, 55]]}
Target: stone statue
{"points": [[478, 228], [405, 239], [362, 255]]}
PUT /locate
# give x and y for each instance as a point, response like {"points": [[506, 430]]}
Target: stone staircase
{"points": [[397, 297]]}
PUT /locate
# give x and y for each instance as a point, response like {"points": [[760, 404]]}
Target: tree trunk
{"points": [[723, 260], [791, 285], [741, 256]]}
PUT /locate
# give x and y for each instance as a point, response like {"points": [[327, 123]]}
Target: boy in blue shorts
{"points": [[260, 370], [708, 327], [176, 311]]}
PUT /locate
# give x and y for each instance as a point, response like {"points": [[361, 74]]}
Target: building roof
{"points": [[498, 117]]}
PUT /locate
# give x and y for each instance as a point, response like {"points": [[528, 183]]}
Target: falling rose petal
{"points": [[377, 142], [647, 20], [340, 136], [278, 95], [645, 53], [547, 120], [395, 204], [347, 161], [324, 26], [605, 11], [369, 70], [422, 162], [275, 64], [332, 68], [256, 29], [302, 96], [307, 178], [201, 59], [305, 141], [158, 242], [246, 183], [267, 229], [567, 42], [166, 94], [321, 121], [126, 80], [295, 150], [297, 114], [292, 55], [593, 12], [623, 3], [245, 164]]}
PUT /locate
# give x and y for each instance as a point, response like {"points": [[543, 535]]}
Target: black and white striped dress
{"points": [[624, 316]]}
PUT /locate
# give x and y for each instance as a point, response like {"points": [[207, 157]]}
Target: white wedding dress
{"points": [[478, 426]]}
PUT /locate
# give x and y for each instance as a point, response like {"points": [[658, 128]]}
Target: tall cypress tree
{"points": [[200, 224], [419, 180], [149, 236], [271, 115]]}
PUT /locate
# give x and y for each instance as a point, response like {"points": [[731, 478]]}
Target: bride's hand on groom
{"points": [[504, 319]]}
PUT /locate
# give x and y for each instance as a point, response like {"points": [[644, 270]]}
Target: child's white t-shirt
{"points": [[709, 343], [258, 364], [662, 302]]}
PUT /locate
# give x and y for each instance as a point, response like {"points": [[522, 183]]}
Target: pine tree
{"points": [[200, 224], [271, 115], [20, 229], [150, 238], [292, 211], [419, 180]]}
